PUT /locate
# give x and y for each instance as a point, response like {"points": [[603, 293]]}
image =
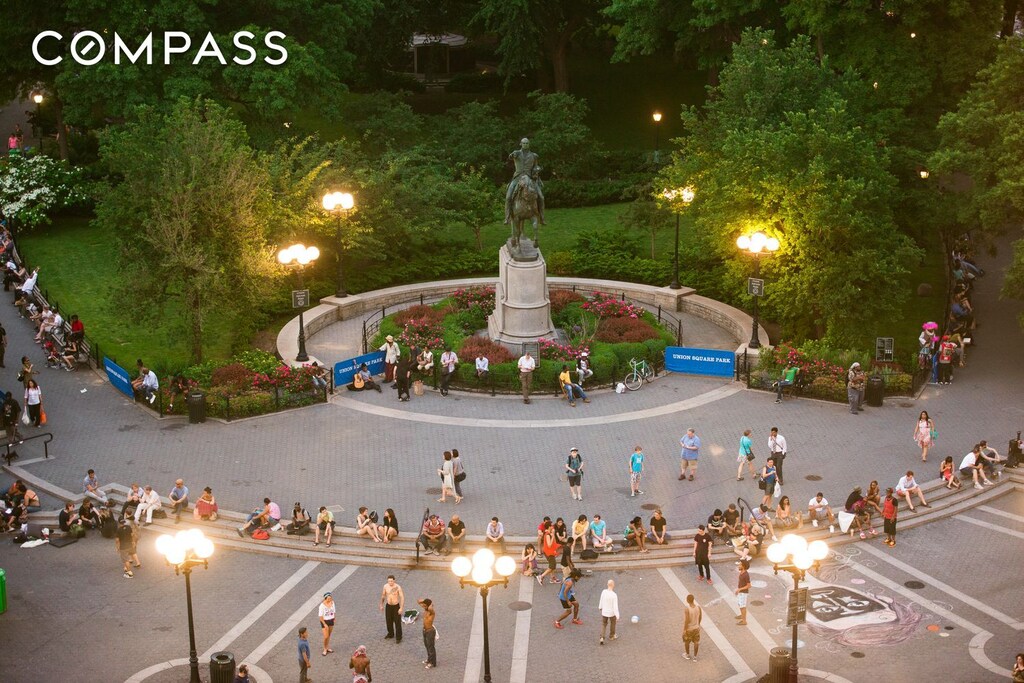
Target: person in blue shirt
{"points": [[688, 455], [636, 470], [599, 535], [745, 455], [179, 499], [567, 596], [304, 663], [768, 476]]}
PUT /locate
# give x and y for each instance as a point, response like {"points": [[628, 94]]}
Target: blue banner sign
{"points": [[692, 361], [345, 370], [118, 376]]}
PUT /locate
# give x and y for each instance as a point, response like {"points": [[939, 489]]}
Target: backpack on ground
{"points": [[261, 535], [588, 554], [108, 527]]}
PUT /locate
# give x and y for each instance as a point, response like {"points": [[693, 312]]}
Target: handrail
{"points": [[426, 514], [10, 455]]}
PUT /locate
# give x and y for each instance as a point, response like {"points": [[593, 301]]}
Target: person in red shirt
{"points": [[549, 546], [889, 511]]}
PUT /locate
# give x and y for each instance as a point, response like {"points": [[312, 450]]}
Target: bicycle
{"points": [[640, 371]]}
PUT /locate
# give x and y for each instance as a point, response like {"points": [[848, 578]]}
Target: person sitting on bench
{"points": [[789, 376], [425, 361]]}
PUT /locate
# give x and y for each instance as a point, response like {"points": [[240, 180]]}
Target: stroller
{"points": [[53, 355]]}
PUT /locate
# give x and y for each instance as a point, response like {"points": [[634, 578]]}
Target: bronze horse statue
{"points": [[524, 208]]}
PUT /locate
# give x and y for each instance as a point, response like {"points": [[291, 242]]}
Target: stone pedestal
{"points": [[522, 309]]}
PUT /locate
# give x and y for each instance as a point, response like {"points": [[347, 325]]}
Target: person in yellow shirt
{"points": [[572, 391]]}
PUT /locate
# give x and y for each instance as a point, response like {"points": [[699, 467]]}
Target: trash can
{"points": [[778, 665], [875, 391], [222, 667], [196, 407], [3, 591]]}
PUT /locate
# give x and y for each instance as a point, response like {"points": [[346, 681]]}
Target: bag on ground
{"points": [[25, 419], [261, 535]]}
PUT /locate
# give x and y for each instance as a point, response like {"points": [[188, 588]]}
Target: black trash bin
{"points": [[196, 407], [222, 667], [875, 391], [778, 665]]}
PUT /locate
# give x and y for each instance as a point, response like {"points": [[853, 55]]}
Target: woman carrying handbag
{"points": [[34, 402]]}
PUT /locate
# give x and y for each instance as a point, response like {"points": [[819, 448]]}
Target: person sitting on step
{"points": [[362, 381]]}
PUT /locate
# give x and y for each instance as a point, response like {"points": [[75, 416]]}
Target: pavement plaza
{"points": [[371, 450]]}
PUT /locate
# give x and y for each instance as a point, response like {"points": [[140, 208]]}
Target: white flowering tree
{"points": [[32, 188]]}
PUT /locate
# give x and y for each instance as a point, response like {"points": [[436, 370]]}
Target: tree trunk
{"points": [[652, 244], [195, 332], [560, 64], [821, 47], [62, 130], [1010, 9], [479, 243]]}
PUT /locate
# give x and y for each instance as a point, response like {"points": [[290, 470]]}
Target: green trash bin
{"points": [[3, 591]]}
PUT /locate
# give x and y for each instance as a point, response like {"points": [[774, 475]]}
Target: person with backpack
{"points": [[125, 544], [574, 472], [946, 351]]}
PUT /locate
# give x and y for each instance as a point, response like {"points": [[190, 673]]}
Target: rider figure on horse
{"points": [[528, 164]]}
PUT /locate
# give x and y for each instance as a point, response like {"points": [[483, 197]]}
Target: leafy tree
{"points": [[33, 188], [783, 148], [537, 34], [556, 125], [475, 135], [645, 215], [982, 140], [193, 207]]}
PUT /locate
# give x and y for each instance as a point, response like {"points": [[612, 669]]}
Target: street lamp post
{"points": [[656, 117], [795, 555], [675, 197], [757, 244], [339, 203], [183, 551], [299, 256], [479, 573], [38, 99]]}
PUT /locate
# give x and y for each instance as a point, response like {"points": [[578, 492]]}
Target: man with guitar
{"points": [[361, 380]]}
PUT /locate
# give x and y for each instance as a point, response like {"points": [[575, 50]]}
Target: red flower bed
{"points": [[493, 352], [607, 306], [234, 376], [478, 295], [420, 314], [550, 350], [618, 330]]}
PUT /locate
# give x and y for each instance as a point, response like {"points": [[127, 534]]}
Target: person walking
{"points": [[609, 607], [688, 457], [742, 591], [34, 402], [326, 613], [745, 455], [567, 596], [692, 616], [304, 664], [392, 603], [447, 472], [636, 470], [767, 481], [574, 473], [890, 507], [125, 543], [11, 414], [923, 433], [777, 448], [459, 472], [526, 366], [429, 632], [702, 543]]}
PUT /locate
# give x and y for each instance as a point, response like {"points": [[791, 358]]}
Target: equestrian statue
{"points": [[524, 200]]}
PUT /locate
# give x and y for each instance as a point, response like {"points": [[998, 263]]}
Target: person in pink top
{"points": [[267, 518]]}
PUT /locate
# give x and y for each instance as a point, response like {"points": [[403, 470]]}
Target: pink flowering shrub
{"points": [[422, 333], [286, 378], [550, 350], [607, 306], [480, 296]]}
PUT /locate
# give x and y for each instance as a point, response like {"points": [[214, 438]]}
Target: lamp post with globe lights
{"points": [[678, 199], [299, 256], [339, 204], [183, 551], [38, 99], [795, 555], [757, 244], [480, 573]]}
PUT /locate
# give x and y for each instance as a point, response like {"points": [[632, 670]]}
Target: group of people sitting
{"points": [[17, 502]]}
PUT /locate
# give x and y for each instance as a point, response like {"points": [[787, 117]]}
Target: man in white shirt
{"points": [[609, 607], [496, 534], [391, 354], [91, 488], [971, 466], [149, 502], [483, 366], [526, 367], [908, 485], [150, 385], [777, 449], [583, 367], [818, 508], [448, 362]]}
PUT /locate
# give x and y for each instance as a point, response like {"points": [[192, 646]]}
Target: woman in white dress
{"points": [[447, 473], [923, 433]]}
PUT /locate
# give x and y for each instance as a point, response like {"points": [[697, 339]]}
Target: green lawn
{"points": [[78, 272]]}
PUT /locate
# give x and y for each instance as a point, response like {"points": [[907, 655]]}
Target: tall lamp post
{"points": [[299, 256], [339, 204], [794, 555], [656, 117], [479, 573], [38, 99], [756, 244], [184, 550], [678, 199]]}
